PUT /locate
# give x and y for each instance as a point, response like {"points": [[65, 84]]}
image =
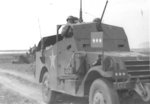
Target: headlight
{"points": [[123, 73], [120, 74], [116, 74]]}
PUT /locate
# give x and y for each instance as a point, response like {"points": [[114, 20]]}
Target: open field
{"points": [[143, 51], [6, 63]]}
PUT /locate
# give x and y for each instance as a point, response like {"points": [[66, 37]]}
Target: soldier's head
{"points": [[72, 19], [97, 20], [98, 23]]}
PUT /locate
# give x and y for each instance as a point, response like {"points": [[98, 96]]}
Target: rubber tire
{"points": [[106, 88], [51, 97], [147, 98]]}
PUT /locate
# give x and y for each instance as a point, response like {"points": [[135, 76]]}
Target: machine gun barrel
{"points": [[104, 11]]}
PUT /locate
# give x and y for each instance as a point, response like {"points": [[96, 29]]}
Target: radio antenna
{"points": [[39, 28], [40, 34], [42, 44]]}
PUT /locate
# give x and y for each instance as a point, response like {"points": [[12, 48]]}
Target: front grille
{"points": [[138, 69]]}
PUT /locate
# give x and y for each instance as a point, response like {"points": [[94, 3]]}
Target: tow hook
{"points": [[143, 90]]}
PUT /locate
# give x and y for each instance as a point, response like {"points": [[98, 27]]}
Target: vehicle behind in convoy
{"points": [[94, 62]]}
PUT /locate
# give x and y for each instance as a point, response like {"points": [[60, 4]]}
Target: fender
{"points": [[100, 70], [42, 71], [93, 73]]}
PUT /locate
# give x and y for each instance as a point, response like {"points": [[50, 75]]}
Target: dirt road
{"points": [[24, 87], [22, 84]]}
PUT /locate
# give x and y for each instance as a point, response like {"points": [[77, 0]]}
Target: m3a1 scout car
{"points": [[94, 62]]}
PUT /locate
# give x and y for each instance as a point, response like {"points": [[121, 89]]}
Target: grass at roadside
{"points": [[6, 63], [23, 68]]}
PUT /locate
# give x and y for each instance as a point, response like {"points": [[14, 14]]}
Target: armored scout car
{"points": [[94, 62]]}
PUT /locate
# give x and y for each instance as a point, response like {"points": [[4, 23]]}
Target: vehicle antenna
{"points": [[39, 28], [42, 44], [80, 15], [40, 34]]}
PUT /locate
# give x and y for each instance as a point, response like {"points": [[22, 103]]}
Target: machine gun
{"points": [[103, 11]]}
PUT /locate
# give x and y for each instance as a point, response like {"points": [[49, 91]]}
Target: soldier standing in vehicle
{"points": [[98, 23], [66, 30]]}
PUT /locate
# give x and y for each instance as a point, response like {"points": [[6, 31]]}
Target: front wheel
{"points": [[102, 92], [49, 96], [146, 96]]}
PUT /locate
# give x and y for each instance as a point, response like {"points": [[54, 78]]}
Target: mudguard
{"points": [[93, 73]]}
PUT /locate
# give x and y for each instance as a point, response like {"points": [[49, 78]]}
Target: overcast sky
{"points": [[19, 26]]}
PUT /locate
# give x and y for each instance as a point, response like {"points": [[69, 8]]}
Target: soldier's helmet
{"points": [[72, 18], [98, 23], [69, 18], [97, 20]]}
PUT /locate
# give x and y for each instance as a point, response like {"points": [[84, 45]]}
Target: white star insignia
{"points": [[52, 59]]}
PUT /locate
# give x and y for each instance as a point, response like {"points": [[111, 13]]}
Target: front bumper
{"points": [[130, 84]]}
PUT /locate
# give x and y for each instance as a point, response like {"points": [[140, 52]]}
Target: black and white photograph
{"points": [[74, 52]]}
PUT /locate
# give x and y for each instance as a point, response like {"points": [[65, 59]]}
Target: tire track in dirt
{"points": [[18, 74], [14, 80], [26, 90]]}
